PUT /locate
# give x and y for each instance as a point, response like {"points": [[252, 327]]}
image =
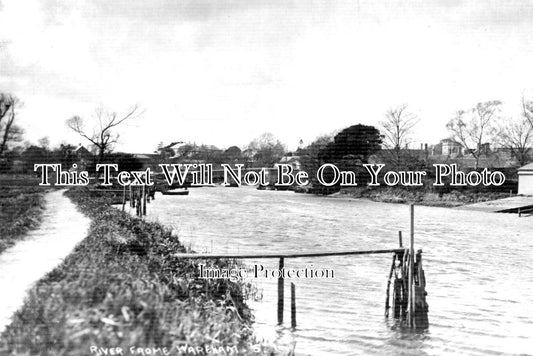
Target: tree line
{"points": [[476, 129]]}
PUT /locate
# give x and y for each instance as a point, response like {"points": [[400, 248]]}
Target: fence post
{"points": [[293, 305], [280, 293], [144, 199], [123, 198]]}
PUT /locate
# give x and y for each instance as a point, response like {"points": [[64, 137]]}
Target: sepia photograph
{"points": [[266, 177]]}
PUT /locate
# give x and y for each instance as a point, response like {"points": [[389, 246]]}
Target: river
{"points": [[479, 269]]}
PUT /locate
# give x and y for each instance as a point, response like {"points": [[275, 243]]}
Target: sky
{"points": [[223, 72]]}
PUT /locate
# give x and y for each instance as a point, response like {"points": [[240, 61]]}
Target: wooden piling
{"points": [[411, 285], [387, 307], [123, 198], [400, 238], [293, 305], [144, 199], [280, 293]]}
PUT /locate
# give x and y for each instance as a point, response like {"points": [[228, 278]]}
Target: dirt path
{"points": [[21, 265]]}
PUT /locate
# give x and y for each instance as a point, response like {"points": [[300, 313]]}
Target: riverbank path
{"points": [[61, 228]]}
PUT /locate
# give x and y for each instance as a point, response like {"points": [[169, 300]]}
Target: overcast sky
{"points": [[222, 72]]}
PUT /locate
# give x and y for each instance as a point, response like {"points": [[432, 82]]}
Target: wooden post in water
{"points": [[400, 238], [280, 293], [293, 305], [144, 199], [411, 284]]}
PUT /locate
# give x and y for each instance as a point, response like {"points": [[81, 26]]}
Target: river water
{"points": [[479, 269]]}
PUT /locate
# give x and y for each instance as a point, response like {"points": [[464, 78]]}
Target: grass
{"points": [[122, 287], [21, 208], [422, 196]]}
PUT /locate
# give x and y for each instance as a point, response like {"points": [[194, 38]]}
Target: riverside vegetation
{"points": [[21, 208], [122, 287], [421, 196]]}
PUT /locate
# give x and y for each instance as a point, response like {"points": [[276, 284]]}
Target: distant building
{"points": [[294, 161], [525, 179], [82, 157], [451, 148]]}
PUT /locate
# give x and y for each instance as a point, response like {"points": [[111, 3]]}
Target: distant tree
{"points": [[267, 149], [34, 155], [65, 154], [357, 141], [309, 154], [9, 131], [397, 128], [103, 135], [475, 127], [516, 134], [44, 142], [527, 110], [187, 151], [232, 154], [126, 161], [166, 151]]}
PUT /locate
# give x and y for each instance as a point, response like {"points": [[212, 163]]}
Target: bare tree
{"points": [[516, 134], [9, 131], [527, 110], [475, 127], [397, 129], [266, 149], [103, 135]]}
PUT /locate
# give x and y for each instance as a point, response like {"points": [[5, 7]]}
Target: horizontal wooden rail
{"points": [[286, 255]]}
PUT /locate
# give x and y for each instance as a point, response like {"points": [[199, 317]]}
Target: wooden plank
{"points": [[285, 255]]}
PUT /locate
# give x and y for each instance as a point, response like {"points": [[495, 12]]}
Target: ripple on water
{"points": [[480, 283]]}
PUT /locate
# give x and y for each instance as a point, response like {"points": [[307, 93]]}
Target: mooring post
{"points": [[387, 307], [293, 305], [123, 198], [400, 238], [144, 199], [411, 302], [280, 293]]}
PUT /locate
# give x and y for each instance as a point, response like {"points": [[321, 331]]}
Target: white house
{"points": [[525, 179]]}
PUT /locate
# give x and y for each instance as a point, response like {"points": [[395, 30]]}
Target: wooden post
{"points": [[387, 307], [123, 198], [411, 285], [132, 202], [293, 305], [144, 199], [400, 238], [280, 293]]}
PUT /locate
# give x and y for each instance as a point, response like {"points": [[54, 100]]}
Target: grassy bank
{"points": [[21, 208], [122, 287], [420, 196]]}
